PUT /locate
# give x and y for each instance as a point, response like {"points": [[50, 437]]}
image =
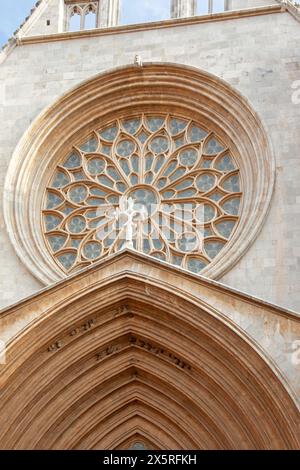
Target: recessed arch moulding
{"points": [[153, 88], [119, 354]]}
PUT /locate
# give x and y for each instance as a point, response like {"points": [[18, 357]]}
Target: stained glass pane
{"points": [[213, 147], [225, 164], [188, 157], [216, 196], [205, 182], [125, 148], [97, 191], [67, 260], [225, 227], [92, 250], [110, 133], [131, 126], [57, 241], [159, 163], [168, 194], [159, 255], [53, 200], [161, 183], [179, 142], [90, 146], [232, 184], [79, 175], [170, 168], [205, 213], [213, 248], [106, 181], [73, 161], [177, 260], [125, 167], [155, 123], [52, 222], [187, 242], [177, 174], [149, 161], [143, 137], [231, 206], [106, 149], [197, 134], [149, 178], [159, 145], [195, 265], [78, 193], [135, 163], [187, 193], [184, 184], [77, 224], [96, 166], [113, 173], [60, 180], [177, 126]]}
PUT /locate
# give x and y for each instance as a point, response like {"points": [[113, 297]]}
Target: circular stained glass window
{"points": [[159, 184]]}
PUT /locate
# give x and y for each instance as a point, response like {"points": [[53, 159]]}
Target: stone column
{"points": [[109, 13], [183, 8]]}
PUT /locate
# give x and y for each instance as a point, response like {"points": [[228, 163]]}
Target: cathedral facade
{"points": [[150, 228]]}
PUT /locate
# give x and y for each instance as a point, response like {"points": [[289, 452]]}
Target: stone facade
{"points": [[161, 356]]}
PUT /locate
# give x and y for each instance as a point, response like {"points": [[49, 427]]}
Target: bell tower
{"points": [[183, 8]]}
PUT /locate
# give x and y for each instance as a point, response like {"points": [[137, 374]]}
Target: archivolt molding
{"points": [[127, 363], [153, 88]]}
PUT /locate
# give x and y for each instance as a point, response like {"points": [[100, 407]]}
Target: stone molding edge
{"points": [[132, 255], [227, 15], [42, 146]]}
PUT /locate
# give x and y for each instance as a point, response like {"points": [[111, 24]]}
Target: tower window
{"points": [[81, 15]]}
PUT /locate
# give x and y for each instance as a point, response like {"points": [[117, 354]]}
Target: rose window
{"points": [[162, 184]]}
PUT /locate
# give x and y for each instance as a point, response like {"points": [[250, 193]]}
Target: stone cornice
{"points": [[215, 17]]}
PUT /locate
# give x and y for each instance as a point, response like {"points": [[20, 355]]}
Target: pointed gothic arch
{"points": [[125, 358], [153, 88]]}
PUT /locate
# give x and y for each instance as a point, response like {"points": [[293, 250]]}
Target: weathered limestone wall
{"points": [[259, 56]]}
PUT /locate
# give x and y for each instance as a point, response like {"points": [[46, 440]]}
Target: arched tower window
{"points": [[75, 16], [81, 15], [90, 17]]}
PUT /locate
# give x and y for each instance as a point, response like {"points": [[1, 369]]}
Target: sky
{"points": [[14, 12]]}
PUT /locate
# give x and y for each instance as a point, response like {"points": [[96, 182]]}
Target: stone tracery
{"points": [[180, 173]]}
